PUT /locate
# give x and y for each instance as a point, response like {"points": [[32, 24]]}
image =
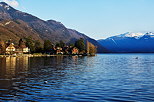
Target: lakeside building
{"points": [[66, 50], [11, 48], [58, 50], [74, 50], [91, 49], [22, 47]]}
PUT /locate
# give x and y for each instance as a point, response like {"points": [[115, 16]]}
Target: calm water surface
{"points": [[105, 77]]}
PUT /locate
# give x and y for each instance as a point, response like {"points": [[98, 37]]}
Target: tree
{"points": [[71, 44], [30, 44], [21, 43], [38, 47], [2, 46], [80, 44], [57, 44], [91, 49], [47, 45], [61, 43], [35, 46]]}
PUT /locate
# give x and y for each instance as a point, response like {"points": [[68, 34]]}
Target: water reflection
{"points": [[10, 66], [73, 78]]}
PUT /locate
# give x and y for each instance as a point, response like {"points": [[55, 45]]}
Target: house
{"points": [[74, 50], [26, 50], [22, 47], [59, 50], [10, 49], [20, 50]]}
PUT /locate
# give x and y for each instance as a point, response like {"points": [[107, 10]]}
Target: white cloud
{"points": [[12, 3]]}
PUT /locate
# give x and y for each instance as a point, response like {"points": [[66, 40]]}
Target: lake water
{"points": [[105, 77]]}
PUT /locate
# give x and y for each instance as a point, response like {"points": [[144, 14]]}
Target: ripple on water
{"points": [[107, 77]]}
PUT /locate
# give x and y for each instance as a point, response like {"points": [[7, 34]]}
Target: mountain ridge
{"points": [[45, 30], [130, 43]]}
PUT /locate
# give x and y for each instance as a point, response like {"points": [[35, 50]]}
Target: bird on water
{"points": [[45, 82]]}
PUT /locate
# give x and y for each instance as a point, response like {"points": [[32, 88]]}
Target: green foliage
{"points": [[38, 46], [30, 43], [71, 44], [80, 44], [47, 45], [35, 46], [57, 45], [60, 44]]}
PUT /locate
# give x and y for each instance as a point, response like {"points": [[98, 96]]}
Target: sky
{"points": [[98, 19]]}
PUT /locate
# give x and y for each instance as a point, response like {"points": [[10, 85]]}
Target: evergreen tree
{"points": [[47, 45], [71, 44], [61, 43], [2, 46], [30, 44], [57, 44], [38, 47], [80, 44]]}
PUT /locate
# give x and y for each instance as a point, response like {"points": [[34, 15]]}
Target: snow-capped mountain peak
{"points": [[149, 33], [130, 43], [130, 34], [134, 35]]}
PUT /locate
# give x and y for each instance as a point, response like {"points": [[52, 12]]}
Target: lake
{"points": [[105, 77]]}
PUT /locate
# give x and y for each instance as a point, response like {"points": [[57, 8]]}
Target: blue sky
{"points": [[96, 18]]}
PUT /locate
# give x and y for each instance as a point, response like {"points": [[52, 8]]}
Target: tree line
{"points": [[37, 47]]}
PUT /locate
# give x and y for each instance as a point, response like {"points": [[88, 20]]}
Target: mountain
{"points": [[16, 29], [130, 43], [28, 25]]}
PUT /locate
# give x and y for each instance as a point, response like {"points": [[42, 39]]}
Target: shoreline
{"points": [[39, 55], [30, 55]]}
